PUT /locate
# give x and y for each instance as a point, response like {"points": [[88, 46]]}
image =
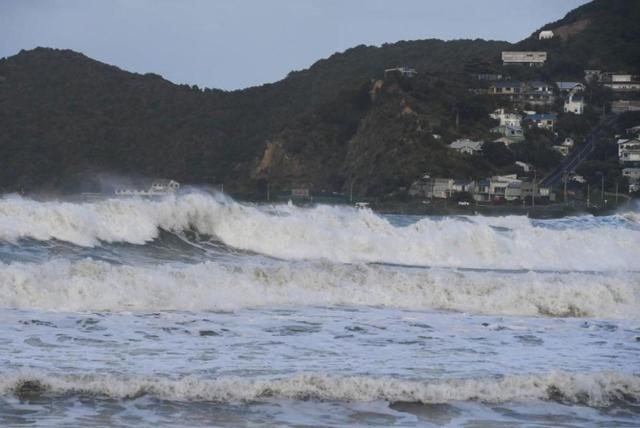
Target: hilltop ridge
{"points": [[340, 123]]}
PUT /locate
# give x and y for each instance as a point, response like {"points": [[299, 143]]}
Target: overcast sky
{"points": [[238, 43]]}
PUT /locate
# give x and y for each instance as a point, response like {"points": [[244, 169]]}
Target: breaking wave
{"points": [[89, 285], [597, 389], [337, 234]]}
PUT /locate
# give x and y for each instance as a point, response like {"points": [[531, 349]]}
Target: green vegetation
{"points": [[339, 125]]}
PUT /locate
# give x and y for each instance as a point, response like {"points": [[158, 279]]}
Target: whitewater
{"points": [[198, 310]]}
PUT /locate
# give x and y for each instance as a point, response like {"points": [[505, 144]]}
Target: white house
{"points": [[574, 104], [629, 150], [506, 118], [546, 34], [467, 146]]}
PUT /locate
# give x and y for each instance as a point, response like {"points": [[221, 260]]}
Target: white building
{"points": [[495, 188], [506, 118], [633, 175], [574, 104], [466, 146], [545, 35], [629, 150], [529, 58]]}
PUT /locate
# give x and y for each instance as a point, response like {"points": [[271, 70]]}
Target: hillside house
{"points": [[570, 87], [530, 189], [506, 118], [466, 146], [513, 132], [565, 147], [463, 185], [538, 92], [592, 75], [432, 187], [545, 35], [507, 87], [542, 120], [530, 58], [629, 150], [495, 188], [402, 71], [574, 104], [633, 176], [620, 81], [633, 130], [623, 106]]}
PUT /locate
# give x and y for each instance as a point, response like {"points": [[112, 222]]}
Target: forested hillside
{"points": [[64, 116]]}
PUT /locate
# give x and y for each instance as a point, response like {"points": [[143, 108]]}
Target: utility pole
{"points": [[565, 188], [616, 193], [533, 190], [268, 191], [588, 195], [351, 191]]}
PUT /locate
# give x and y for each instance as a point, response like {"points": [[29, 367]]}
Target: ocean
{"points": [[197, 310]]}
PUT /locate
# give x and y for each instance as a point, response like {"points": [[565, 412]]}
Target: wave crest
{"points": [[598, 389], [90, 285], [338, 234]]}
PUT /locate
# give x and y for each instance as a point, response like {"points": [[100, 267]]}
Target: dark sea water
{"points": [[195, 310]]}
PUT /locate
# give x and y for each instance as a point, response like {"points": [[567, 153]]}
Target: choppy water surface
{"points": [[196, 310]]}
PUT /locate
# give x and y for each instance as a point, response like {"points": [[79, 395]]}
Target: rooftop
{"points": [[541, 116]]}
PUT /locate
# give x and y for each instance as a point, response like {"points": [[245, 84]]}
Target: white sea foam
{"points": [[88, 285], [597, 389], [331, 233]]}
